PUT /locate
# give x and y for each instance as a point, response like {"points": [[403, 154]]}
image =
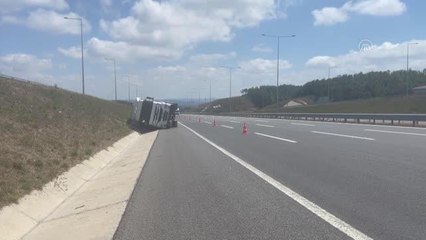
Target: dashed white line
{"points": [[208, 122], [225, 126], [278, 138], [404, 133], [303, 124], [317, 210], [343, 135], [258, 120], [234, 121], [263, 125]]}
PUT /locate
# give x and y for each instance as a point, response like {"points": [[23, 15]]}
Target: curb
{"points": [[46, 213]]}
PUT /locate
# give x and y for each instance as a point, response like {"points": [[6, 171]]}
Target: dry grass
{"points": [[239, 104], [44, 131], [397, 104]]}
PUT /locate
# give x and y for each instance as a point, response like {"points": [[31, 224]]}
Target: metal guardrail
{"points": [[413, 119]]}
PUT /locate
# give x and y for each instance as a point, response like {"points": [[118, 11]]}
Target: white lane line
{"points": [[317, 210], [263, 125], [404, 133], [258, 120], [343, 135], [303, 124], [234, 121], [227, 126], [208, 122], [278, 138]]}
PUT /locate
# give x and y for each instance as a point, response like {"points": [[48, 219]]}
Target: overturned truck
{"points": [[151, 114]]}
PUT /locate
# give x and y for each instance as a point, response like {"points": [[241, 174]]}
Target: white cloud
{"points": [[179, 25], [332, 15], [378, 7], [128, 52], [24, 65], [321, 61], [72, 52], [202, 59], [261, 65], [386, 56], [329, 16], [7, 6], [54, 22], [49, 21], [261, 48]]}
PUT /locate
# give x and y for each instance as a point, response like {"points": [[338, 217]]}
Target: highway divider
{"points": [[415, 120]]}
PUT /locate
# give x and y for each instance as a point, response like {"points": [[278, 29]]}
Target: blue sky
{"points": [[173, 49]]}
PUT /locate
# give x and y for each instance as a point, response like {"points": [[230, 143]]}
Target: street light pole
{"points": [[128, 86], [210, 90], [278, 37], [82, 52], [210, 85], [408, 52], [230, 84], [115, 76]]}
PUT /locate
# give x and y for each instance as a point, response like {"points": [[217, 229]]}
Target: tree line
{"points": [[341, 88]]}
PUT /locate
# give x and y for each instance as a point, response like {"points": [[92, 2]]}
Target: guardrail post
{"points": [[392, 122], [414, 123], [357, 120]]}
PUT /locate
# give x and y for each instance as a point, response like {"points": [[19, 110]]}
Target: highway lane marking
{"points": [[303, 124], [278, 138], [234, 121], [317, 210], [225, 126], [404, 133], [343, 135], [264, 121], [208, 122], [263, 125]]}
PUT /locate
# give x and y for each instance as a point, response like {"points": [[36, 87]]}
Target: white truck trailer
{"points": [[152, 114]]}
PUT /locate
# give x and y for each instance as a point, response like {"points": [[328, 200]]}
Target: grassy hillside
{"points": [[410, 104], [239, 104], [45, 131], [396, 104]]}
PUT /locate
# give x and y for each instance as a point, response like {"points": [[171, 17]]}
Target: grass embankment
{"points": [[238, 104], [410, 104], [398, 104], [45, 131]]}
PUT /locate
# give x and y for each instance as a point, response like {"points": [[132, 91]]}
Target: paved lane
{"points": [[376, 186], [190, 190], [371, 177]]}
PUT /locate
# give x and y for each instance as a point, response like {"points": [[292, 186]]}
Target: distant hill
{"points": [[327, 94], [44, 131], [341, 88]]}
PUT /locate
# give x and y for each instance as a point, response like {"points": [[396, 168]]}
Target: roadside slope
{"points": [[45, 131], [397, 104]]}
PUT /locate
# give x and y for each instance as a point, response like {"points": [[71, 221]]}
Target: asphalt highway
{"points": [[282, 180]]}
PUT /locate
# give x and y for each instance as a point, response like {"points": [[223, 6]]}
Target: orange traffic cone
{"points": [[214, 122], [245, 129]]}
